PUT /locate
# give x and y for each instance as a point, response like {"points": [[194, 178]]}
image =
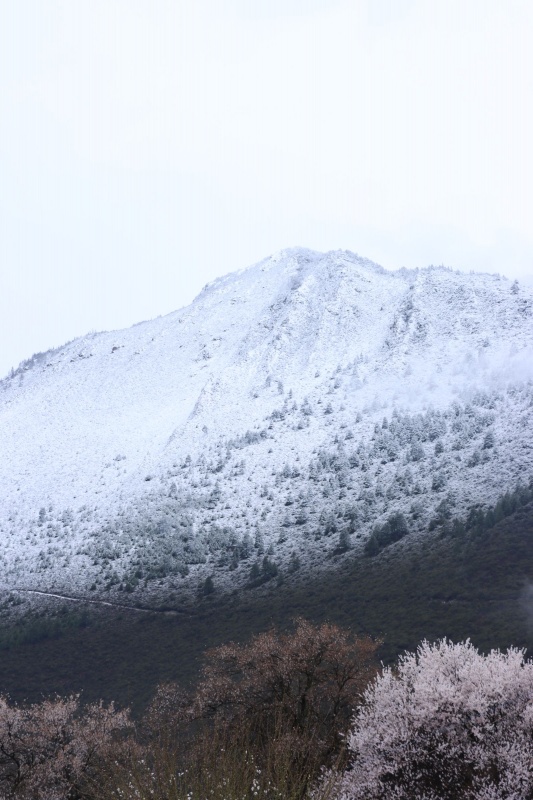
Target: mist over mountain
{"points": [[266, 432]]}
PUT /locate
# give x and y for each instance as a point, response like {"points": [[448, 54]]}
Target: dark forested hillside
{"points": [[475, 583]]}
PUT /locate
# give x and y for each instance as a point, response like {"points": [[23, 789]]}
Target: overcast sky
{"points": [[147, 146]]}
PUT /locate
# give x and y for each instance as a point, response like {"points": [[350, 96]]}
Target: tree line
{"points": [[304, 713]]}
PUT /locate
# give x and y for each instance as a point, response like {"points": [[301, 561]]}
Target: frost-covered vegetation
{"points": [[305, 714], [306, 407], [228, 515]]}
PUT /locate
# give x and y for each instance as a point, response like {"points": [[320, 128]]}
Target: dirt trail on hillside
{"points": [[91, 601]]}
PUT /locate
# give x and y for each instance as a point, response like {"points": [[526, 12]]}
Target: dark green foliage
{"points": [[269, 568], [263, 573], [208, 587], [480, 520], [394, 529], [439, 481], [372, 547], [344, 541], [40, 627], [294, 563]]}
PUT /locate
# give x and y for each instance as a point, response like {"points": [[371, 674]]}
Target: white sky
{"points": [[147, 146]]}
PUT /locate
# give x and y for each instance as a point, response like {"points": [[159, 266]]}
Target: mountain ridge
{"points": [[278, 361]]}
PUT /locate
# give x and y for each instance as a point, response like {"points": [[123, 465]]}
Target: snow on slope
{"points": [[190, 444]]}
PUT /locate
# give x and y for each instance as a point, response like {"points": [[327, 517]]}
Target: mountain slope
{"points": [[291, 408], [477, 587]]}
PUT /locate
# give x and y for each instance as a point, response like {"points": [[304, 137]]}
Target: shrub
{"points": [[262, 721], [208, 586], [52, 749], [294, 691], [448, 724]]}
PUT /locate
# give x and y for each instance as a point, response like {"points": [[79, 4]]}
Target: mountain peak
{"points": [[117, 441]]}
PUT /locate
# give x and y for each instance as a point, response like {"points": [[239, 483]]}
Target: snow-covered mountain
{"points": [[289, 409]]}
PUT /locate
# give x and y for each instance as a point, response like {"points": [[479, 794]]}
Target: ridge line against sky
{"points": [[147, 148]]}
